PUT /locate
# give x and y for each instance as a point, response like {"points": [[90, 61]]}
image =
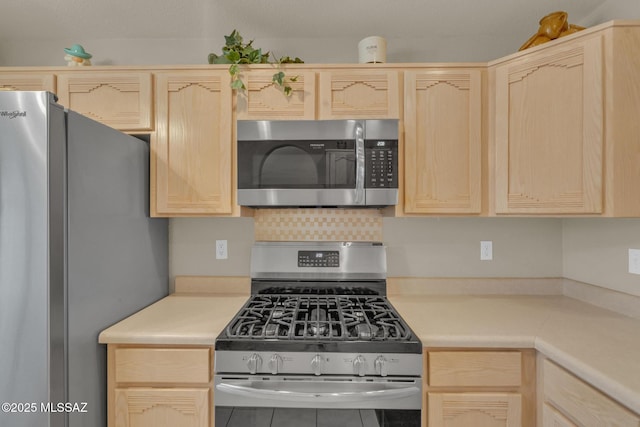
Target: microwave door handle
{"points": [[324, 397], [360, 164]]}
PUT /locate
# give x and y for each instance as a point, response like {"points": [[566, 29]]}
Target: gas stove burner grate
{"points": [[318, 317]]}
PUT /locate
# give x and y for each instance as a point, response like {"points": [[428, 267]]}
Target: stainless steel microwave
{"points": [[313, 163]]}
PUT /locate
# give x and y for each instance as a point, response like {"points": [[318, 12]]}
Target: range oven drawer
{"points": [[309, 401], [330, 392]]}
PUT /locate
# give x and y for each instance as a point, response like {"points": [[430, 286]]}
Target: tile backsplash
{"points": [[318, 225]]}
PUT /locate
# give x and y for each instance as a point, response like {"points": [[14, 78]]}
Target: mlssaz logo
{"points": [[13, 114]]}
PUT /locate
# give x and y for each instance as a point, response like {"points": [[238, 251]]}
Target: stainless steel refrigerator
{"points": [[78, 252]]}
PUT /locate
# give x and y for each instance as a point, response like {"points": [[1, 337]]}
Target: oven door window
{"points": [[296, 164], [301, 417]]}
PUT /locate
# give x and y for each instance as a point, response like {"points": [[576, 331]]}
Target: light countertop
{"points": [[598, 345], [177, 319]]}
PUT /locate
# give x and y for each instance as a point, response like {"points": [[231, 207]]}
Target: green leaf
{"points": [[233, 39], [255, 56], [278, 78], [237, 85], [233, 56], [234, 52]]}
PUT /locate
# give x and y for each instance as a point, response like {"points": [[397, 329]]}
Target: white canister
{"points": [[372, 49]]}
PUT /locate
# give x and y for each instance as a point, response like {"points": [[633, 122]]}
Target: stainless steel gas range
{"points": [[318, 343]]}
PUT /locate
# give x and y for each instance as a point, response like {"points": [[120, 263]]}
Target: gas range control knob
{"points": [[254, 363], [359, 366], [316, 364], [381, 366], [275, 364]]}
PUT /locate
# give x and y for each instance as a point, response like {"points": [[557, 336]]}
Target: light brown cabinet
{"points": [[264, 100], [27, 80], [120, 99], [550, 131], [443, 141], [553, 418], [358, 93], [475, 409], [152, 386], [549, 139], [483, 388], [569, 401], [564, 126], [192, 152], [350, 93]]}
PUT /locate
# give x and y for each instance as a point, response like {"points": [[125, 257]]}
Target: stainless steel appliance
{"points": [[318, 343], [78, 253], [318, 163]]}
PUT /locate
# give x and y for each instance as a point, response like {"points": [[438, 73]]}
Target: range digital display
{"points": [[318, 259]]}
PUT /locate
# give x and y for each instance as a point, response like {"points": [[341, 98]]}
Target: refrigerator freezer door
{"points": [[25, 355], [117, 255]]}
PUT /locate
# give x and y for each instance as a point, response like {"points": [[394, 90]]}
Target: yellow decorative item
{"points": [[552, 26]]}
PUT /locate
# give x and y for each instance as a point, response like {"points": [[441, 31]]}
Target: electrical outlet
{"points": [[634, 261], [221, 249], [486, 250]]}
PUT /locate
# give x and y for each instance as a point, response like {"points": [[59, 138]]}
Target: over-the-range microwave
{"points": [[317, 163]]}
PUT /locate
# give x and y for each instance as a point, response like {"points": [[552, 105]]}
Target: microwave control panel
{"points": [[381, 163]]}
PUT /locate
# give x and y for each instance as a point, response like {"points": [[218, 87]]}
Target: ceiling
{"points": [[33, 20]]}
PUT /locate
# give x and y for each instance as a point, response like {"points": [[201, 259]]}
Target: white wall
{"points": [[590, 250], [450, 247], [613, 9], [192, 249], [195, 51], [595, 251], [418, 247], [433, 47]]}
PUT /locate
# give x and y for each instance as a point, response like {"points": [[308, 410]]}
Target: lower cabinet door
{"points": [[158, 407], [474, 409]]}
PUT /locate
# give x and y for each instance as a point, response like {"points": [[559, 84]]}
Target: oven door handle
{"points": [[360, 165], [325, 397]]}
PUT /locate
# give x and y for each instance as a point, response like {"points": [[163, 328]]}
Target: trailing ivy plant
{"points": [[235, 52]]}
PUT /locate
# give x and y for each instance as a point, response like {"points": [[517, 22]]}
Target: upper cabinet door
{"points": [[349, 94], [443, 141], [122, 100], [549, 131], [192, 156], [28, 81], [264, 100]]}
